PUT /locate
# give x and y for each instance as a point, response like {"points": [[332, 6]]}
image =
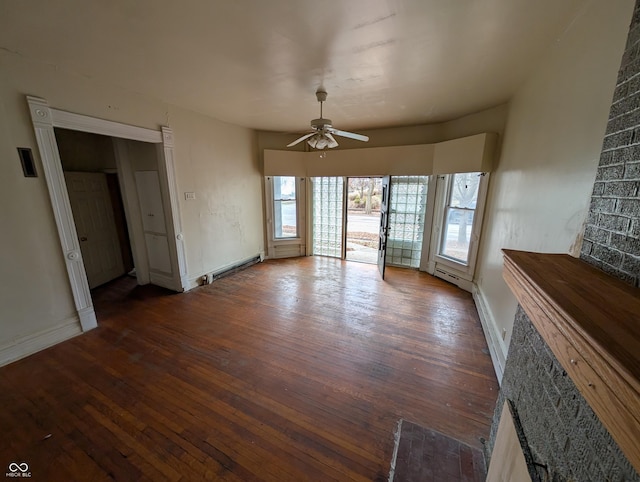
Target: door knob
{"points": [[83, 238]]}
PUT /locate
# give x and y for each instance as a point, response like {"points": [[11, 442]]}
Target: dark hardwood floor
{"points": [[290, 370]]}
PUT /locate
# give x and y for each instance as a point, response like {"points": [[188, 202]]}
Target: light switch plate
{"points": [[189, 195]]}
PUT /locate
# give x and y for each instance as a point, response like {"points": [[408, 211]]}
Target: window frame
{"points": [[275, 210], [463, 270], [448, 207], [291, 246]]}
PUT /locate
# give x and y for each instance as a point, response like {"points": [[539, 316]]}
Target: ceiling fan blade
{"points": [[297, 141], [332, 141], [350, 135]]}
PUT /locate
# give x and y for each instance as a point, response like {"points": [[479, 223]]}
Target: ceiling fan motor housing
{"points": [[320, 123]]}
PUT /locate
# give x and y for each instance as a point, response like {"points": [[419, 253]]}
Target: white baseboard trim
{"points": [[30, 344], [195, 281], [88, 320], [497, 347]]}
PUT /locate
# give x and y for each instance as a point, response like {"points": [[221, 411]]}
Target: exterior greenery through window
{"points": [[284, 207]]}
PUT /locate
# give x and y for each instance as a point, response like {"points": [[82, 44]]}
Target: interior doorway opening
{"points": [[363, 219], [116, 237], [91, 177]]}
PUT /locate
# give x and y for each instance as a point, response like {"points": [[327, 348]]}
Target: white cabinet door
{"points": [[96, 228]]}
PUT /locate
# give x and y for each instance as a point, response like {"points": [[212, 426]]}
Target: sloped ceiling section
{"points": [[257, 63]]}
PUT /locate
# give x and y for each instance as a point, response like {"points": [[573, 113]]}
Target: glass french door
{"points": [[407, 214], [343, 208], [384, 224]]}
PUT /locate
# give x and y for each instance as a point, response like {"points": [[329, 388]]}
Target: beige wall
{"points": [[214, 159], [219, 163], [539, 193]]}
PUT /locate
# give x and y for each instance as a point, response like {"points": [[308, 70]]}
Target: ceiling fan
{"points": [[323, 131]]}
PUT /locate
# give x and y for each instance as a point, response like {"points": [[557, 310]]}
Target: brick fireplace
{"points": [[565, 436], [568, 441]]}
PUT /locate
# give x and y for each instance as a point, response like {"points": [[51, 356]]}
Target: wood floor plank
{"points": [[292, 369]]}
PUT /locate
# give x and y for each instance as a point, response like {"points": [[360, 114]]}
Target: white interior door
{"points": [[93, 216], [154, 226], [150, 197]]}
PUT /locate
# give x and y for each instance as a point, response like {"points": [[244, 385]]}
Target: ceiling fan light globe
{"points": [[322, 143]]}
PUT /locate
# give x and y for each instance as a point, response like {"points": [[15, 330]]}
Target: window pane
{"points": [[284, 207], [457, 234], [464, 190]]}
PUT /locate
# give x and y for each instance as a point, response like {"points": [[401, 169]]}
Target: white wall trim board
{"points": [[52, 166], [78, 122], [30, 344], [497, 346]]}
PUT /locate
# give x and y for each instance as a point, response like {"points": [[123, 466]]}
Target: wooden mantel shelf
{"points": [[591, 322]]}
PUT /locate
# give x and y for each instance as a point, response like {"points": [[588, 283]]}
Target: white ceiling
{"points": [[257, 63]]}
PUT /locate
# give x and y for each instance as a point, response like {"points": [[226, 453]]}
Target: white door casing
{"points": [[44, 119], [97, 233]]}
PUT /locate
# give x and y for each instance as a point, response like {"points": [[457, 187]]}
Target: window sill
{"points": [[452, 263], [281, 241]]}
